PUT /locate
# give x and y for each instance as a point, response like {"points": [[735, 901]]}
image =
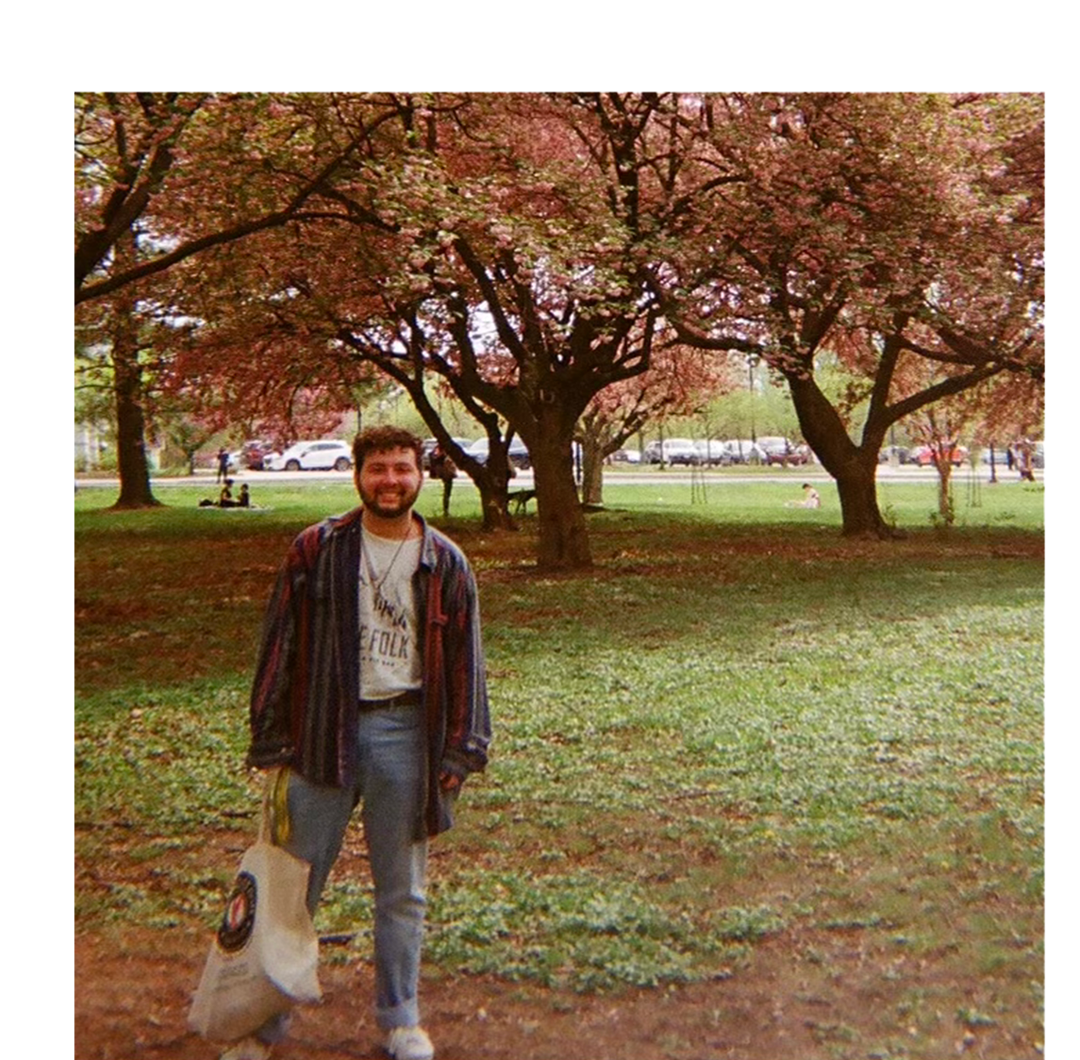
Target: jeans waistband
{"points": [[403, 699]]}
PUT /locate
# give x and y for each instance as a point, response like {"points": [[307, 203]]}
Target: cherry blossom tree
{"points": [[121, 333], [679, 382], [500, 245], [896, 231], [187, 172], [526, 252], [1008, 408], [161, 178]]}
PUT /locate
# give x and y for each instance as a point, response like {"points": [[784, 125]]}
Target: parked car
{"points": [[713, 453], [744, 451], [625, 456], [254, 453], [901, 452], [518, 453], [924, 456], [783, 451], [672, 451], [310, 456], [796, 456], [1000, 456], [430, 443]]}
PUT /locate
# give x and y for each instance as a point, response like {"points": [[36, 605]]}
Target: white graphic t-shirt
{"points": [[389, 639]]}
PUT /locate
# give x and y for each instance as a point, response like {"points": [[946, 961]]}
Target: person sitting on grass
{"points": [[811, 498], [225, 499]]}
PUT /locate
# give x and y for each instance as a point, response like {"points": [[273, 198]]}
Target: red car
{"points": [[924, 456], [254, 453], [798, 456]]}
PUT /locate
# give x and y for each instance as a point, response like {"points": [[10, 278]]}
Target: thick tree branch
{"points": [[953, 385], [290, 212]]}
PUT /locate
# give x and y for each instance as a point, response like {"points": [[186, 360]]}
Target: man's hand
{"points": [[449, 782]]}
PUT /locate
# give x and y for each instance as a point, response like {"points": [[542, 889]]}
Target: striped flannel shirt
{"points": [[306, 693]]}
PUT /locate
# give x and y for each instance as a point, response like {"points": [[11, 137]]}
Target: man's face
{"points": [[389, 482]]}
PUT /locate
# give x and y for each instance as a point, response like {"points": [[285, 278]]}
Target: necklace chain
{"points": [[378, 583]]}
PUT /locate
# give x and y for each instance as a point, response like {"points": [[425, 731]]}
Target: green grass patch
{"points": [[736, 727]]}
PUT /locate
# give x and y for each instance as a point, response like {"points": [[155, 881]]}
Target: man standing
{"points": [[443, 468], [371, 688]]}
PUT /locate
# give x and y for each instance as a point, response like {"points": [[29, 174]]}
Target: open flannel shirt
{"points": [[305, 699]]}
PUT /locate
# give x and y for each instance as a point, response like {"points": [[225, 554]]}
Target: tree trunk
{"points": [[944, 470], [854, 467], [564, 537], [492, 480], [132, 465], [856, 485], [592, 471]]}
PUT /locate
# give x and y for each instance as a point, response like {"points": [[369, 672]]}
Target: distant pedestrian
{"points": [[222, 464], [440, 466], [1025, 460]]}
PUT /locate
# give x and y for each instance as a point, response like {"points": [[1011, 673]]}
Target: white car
{"points": [[672, 451], [518, 454], [308, 456], [744, 451], [713, 452]]}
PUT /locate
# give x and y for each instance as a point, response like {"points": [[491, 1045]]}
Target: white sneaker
{"points": [[247, 1049], [409, 1043]]}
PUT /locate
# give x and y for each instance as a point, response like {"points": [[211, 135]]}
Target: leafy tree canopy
{"points": [[531, 250]]}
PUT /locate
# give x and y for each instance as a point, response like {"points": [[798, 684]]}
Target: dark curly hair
{"points": [[382, 439]]}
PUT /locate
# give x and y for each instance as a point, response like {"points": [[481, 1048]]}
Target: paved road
{"points": [[629, 476]]}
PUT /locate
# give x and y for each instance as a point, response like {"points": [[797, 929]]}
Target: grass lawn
{"points": [[737, 729]]}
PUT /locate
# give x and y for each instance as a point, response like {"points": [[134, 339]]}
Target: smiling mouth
{"points": [[392, 498]]}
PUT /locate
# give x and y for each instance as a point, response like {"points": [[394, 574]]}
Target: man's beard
{"points": [[395, 503]]}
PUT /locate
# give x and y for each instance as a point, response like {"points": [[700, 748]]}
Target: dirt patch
{"points": [[133, 989]]}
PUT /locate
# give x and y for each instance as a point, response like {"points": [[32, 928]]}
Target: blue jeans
{"points": [[390, 788]]}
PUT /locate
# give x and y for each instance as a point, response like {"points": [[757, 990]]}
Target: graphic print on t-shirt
{"points": [[389, 660]]}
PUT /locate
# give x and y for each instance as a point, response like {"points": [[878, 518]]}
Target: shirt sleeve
{"points": [[468, 732], [272, 691]]}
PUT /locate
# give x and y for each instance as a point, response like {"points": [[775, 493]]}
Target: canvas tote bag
{"points": [[264, 956]]}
